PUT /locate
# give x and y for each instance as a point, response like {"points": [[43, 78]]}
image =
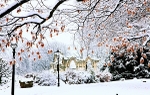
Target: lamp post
{"points": [[86, 67], [57, 54], [13, 46]]}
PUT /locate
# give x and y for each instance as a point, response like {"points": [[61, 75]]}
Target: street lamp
{"points": [[13, 46], [86, 67], [57, 54]]}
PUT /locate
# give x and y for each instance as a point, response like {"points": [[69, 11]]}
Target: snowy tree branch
{"points": [[11, 8]]}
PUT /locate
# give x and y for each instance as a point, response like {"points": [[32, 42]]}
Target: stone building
{"points": [[73, 63]]}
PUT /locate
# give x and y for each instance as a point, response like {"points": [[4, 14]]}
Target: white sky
{"points": [[65, 38]]}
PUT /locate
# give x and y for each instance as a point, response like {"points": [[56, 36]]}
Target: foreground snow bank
{"points": [[127, 87]]}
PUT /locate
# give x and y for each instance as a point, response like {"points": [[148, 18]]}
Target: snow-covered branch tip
{"points": [[12, 7]]}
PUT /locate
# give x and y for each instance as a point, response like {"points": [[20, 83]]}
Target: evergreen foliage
{"points": [[129, 61], [4, 71]]}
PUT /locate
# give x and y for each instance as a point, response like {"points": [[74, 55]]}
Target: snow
{"points": [[26, 79], [127, 87], [72, 65], [8, 7]]}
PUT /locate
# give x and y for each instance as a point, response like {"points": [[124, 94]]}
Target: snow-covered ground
{"points": [[128, 87]]}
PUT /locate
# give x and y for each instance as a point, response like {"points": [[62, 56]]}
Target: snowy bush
{"points": [[104, 76], [30, 75], [5, 71], [46, 78], [77, 77]]}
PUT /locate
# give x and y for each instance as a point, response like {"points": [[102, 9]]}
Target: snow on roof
{"points": [[72, 64]]}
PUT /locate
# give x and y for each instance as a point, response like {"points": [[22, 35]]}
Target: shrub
{"points": [[46, 78], [104, 76], [30, 75], [5, 71], [77, 77]]}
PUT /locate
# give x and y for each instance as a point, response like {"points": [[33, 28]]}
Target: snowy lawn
{"points": [[128, 87]]}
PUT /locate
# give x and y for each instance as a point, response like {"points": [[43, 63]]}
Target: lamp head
{"points": [[14, 45], [14, 42]]}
